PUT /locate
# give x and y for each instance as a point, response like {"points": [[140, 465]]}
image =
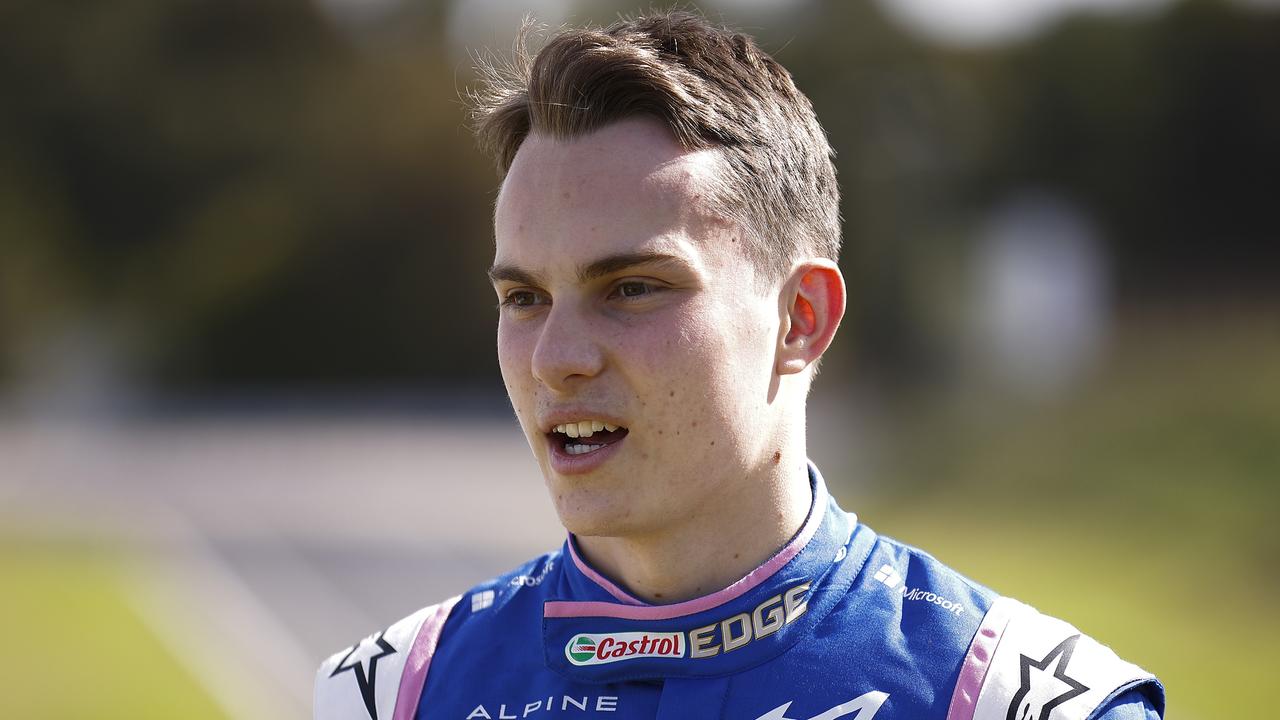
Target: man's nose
{"points": [[567, 352]]}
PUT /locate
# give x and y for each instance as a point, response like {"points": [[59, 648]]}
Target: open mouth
{"points": [[585, 437]]}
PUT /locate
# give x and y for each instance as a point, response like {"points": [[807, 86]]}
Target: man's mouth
{"points": [[585, 436]]}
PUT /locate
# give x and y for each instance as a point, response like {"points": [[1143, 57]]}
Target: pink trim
{"points": [[414, 677], [978, 660], [634, 611], [599, 579]]}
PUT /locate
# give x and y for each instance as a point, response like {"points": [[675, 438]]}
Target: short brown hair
{"points": [[714, 88]]}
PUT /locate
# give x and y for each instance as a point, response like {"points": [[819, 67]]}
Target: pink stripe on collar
{"points": [[597, 578], [635, 610]]}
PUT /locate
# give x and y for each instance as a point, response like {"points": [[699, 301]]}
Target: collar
{"points": [[594, 631]]}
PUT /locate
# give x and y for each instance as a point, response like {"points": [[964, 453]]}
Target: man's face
{"points": [[624, 304]]}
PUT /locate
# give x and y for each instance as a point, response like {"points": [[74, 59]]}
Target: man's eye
{"points": [[632, 289], [521, 298]]}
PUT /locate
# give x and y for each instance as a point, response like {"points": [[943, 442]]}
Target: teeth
{"points": [[584, 428], [580, 449]]}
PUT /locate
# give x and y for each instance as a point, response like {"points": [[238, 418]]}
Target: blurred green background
{"points": [[228, 228]]}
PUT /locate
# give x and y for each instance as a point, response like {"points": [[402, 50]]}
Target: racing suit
{"points": [[841, 623]]}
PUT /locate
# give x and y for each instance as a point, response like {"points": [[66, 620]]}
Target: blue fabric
{"points": [[1129, 705], [853, 620]]}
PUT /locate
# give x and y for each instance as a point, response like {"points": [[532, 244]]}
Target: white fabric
{"points": [[340, 696], [1046, 669]]}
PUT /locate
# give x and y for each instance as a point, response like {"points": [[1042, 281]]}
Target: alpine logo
{"points": [[605, 648], [863, 707]]}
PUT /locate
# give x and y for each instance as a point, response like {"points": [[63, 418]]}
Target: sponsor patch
{"points": [[890, 578], [534, 580], [599, 649], [724, 636], [482, 600]]}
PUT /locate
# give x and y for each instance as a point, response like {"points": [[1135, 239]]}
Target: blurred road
{"points": [[256, 548]]}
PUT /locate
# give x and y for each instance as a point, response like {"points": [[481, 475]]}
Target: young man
{"points": [[666, 241]]}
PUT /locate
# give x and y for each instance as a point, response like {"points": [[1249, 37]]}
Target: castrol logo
{"points": [[722, 636], [585, 649]]}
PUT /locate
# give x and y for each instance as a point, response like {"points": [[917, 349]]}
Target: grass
{"points": [[1200, 623], [1141, 509], [76, 648]]}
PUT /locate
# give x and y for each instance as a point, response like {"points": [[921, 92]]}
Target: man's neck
{"points": [[714, 548]]}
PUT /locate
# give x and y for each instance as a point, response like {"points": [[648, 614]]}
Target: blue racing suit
{"points": [[841, 623]]}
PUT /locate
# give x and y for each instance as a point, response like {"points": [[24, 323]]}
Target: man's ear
{"points": [[813, 302]]}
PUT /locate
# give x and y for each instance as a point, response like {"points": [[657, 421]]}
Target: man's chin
{"points": [[587, 516]]}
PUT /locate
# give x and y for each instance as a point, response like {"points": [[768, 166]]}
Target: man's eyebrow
{"points": [[604, 266], [511, 273], [614, 263]]}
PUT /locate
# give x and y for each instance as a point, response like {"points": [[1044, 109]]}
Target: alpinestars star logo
{"points": [[1042, 687], [366, 652]]}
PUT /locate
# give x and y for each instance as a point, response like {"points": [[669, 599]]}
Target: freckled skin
{"points": [[701, 338]]}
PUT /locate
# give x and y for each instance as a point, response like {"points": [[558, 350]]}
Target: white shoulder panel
{"points": [[1045, 669], [361, 682]]}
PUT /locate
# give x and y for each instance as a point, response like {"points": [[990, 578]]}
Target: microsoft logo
{"points": [[887, 575], [892, 580], [482, 600]]}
